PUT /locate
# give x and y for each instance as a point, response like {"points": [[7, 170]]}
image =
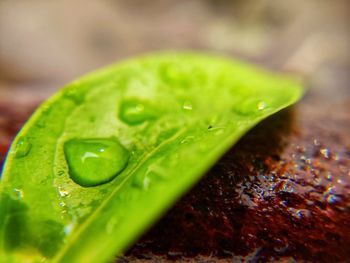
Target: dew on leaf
{"points": [[68, 229], [249, 106], [18, 193], [262, 105], [187, 139], [135, 111], [95, 161], [187, 105], [141, 180], [22, 148], [62, 192]]}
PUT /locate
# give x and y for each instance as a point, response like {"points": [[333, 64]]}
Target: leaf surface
{"points": [[103, 159]]}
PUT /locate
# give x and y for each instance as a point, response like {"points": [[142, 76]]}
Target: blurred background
{"points": [[46, 44]]}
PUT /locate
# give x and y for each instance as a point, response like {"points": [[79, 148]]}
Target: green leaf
{"points": [[104, 158]]}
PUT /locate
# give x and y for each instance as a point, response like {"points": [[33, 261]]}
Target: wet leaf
{"points": [[105, 157]]}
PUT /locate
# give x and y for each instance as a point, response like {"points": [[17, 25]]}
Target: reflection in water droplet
{"points": [[187, 105], [134, 111], [95, 161], [262, 105], [22, 148]]}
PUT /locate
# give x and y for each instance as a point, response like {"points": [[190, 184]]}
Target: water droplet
{"points": [[18, 193], [262, 105], [153, 174], [249, 106], [187, 139], [217, 130], [325, 152], [62, 192], [95, 161], [22, 148], [135, 111], [187, 105], [141, 180], [329, 176], [68, 229]]}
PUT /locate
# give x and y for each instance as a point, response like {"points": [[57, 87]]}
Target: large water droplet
{"points": [[135, 111], [22, 148], [95, 161]]}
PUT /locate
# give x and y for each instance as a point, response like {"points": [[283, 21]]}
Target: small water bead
{"points": [[187, 139], [60, 173], [217, 130], [250, 106], [68, 229], [18, 193], [325, 153], [141, 180], [134, 111], [187, 105], [93, 162], [23, 148], [62, 192], [153, 174], [262, 105]]}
